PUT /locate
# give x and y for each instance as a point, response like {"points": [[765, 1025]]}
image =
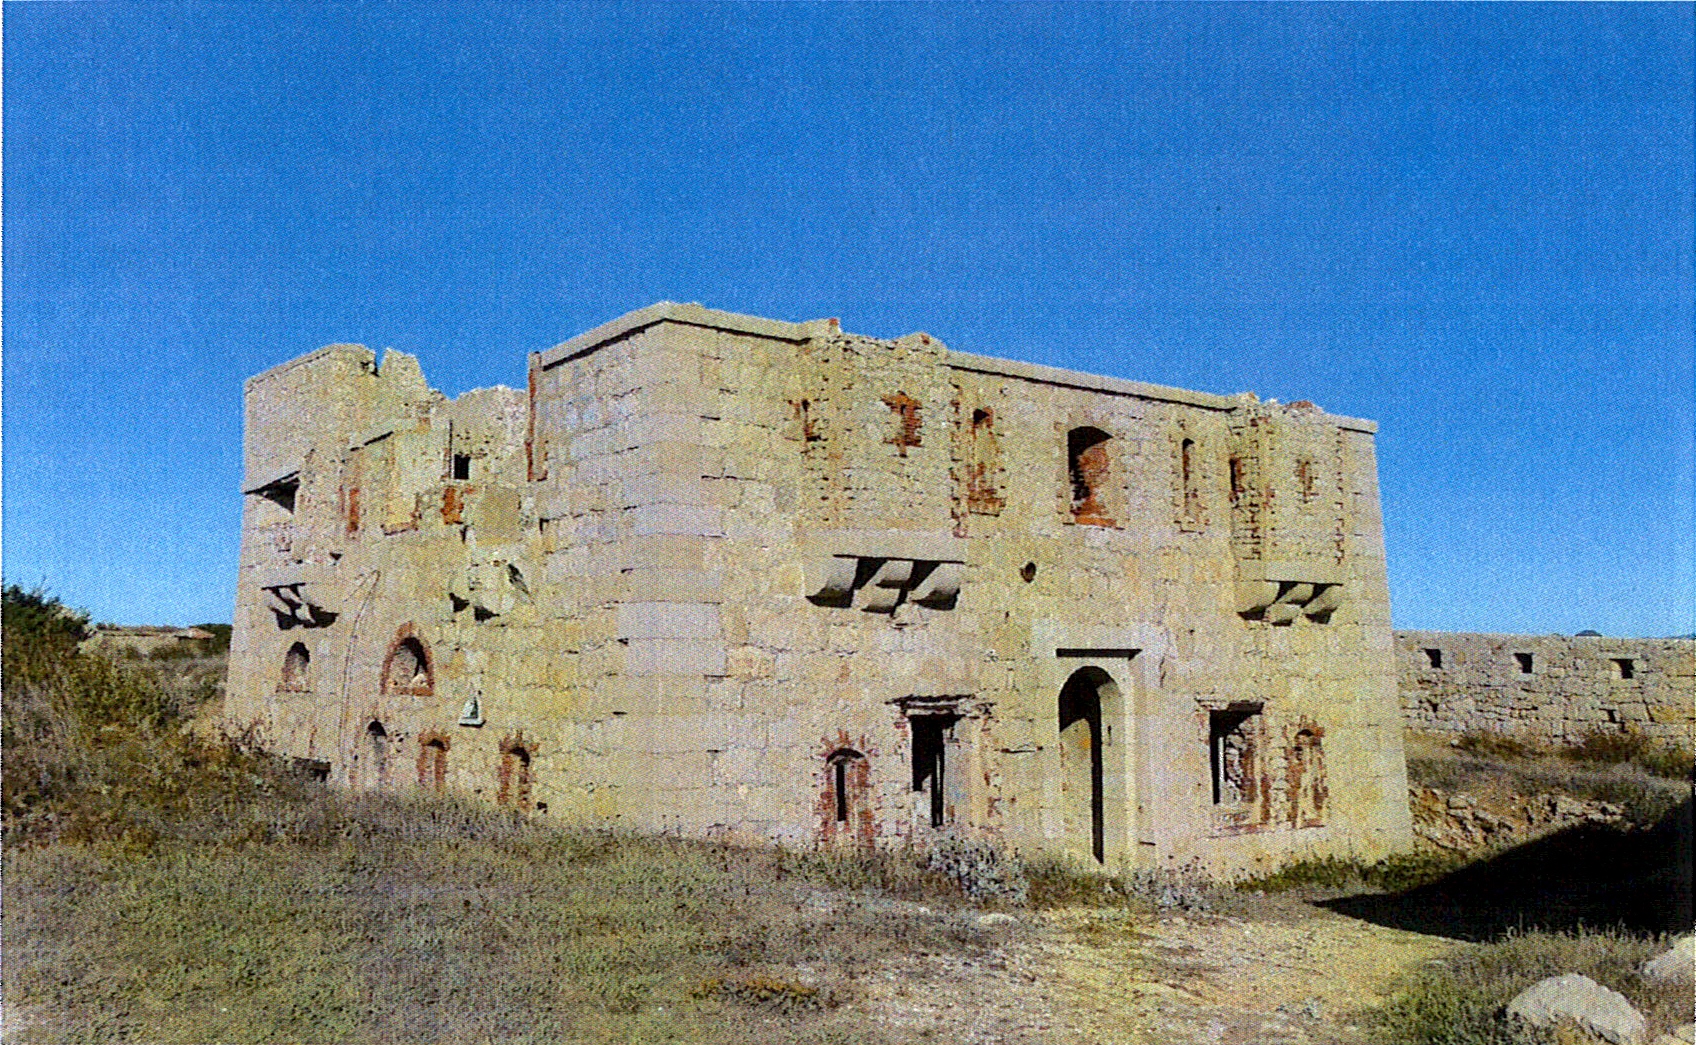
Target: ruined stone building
{"points": [[731, 577]]}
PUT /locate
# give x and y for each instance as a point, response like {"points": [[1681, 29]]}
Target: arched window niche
{"points": [[297, 670], [1088, 465], [515, 777], [433, 762], [408, 670]]}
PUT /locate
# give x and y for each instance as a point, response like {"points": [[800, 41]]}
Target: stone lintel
{"points": [[918, 545], [1298, 572]]}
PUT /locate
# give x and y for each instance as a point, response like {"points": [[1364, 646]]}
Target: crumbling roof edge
{"points": [[1049, 375], [1418, 634], [366, 356], [674, 312]]}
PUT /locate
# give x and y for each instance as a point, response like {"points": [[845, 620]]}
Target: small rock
{"points": [[1458, 802], [1596, 1010], [1684, 1035], [993, 919], [1677, 964]]}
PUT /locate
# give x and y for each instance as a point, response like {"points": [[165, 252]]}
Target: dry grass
{"points": [[1459, 1000], [161, 888], [1604, 771], [384, 920]]}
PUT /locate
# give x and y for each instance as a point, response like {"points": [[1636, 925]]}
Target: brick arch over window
{"points": [[297, 670], [433, 761], [1306, 783], [1088, 467], [846, 798], [408, 668], [515, 772]]}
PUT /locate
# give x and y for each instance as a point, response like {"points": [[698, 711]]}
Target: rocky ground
{"points": [[1465, 823], [1283, 974]]}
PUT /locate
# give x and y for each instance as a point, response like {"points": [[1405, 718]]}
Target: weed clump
{"points": [[766, 991], [1393, 874], [1460, 1000], [982, 871], [1654, 757]]}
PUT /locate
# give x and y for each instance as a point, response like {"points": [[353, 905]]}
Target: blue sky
{"points": [[1472, 224]]}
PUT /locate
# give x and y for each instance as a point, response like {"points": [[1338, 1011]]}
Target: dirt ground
{"points": [[1272, 972]]}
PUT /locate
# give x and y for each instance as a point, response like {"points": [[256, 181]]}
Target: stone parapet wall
{"points": [[1551, 688]]}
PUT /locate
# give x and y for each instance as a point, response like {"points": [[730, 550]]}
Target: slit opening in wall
{"points": [[840, 762], [1526, 663], [1625, 667], [1433, 657]]}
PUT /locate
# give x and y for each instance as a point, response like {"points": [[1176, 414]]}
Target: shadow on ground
{"points": [[1594, 876]]}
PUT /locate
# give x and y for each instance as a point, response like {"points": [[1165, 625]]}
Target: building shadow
{"points": [[1592, 876]]}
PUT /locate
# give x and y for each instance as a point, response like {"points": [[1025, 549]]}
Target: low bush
{"points": [[1393, 874], [1459, 1000], [983, 871], [1652, 756], [1645, 779]]}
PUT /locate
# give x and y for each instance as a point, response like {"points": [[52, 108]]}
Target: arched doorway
{"points": [[1088, 705]]}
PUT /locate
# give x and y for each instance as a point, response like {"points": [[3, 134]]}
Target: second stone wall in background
{"points": [[1548, 687]]}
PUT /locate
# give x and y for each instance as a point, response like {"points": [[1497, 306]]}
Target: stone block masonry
{"points": [[733, 577], [1548, 688]]}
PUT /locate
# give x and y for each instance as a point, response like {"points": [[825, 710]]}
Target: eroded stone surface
{"points": [[734, 577]]}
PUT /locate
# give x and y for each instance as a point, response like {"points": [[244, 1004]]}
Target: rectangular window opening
{"points": [[1231, 737], [461, 466], [1626, 667], [1526, 663], [1434, 657]]}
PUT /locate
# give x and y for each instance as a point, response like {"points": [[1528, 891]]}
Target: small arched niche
{"points": [[407, 669], [297, 670]]}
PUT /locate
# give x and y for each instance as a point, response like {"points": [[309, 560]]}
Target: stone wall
{"points": [[720, 575], [1551, 688]]}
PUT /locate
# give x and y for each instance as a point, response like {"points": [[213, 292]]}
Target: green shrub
{"points": [[1458, 1001], [1054, 882], [1393, 874]]}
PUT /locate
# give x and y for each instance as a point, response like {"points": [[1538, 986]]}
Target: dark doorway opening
{"points": [[1081, 754], [930, 762]]}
